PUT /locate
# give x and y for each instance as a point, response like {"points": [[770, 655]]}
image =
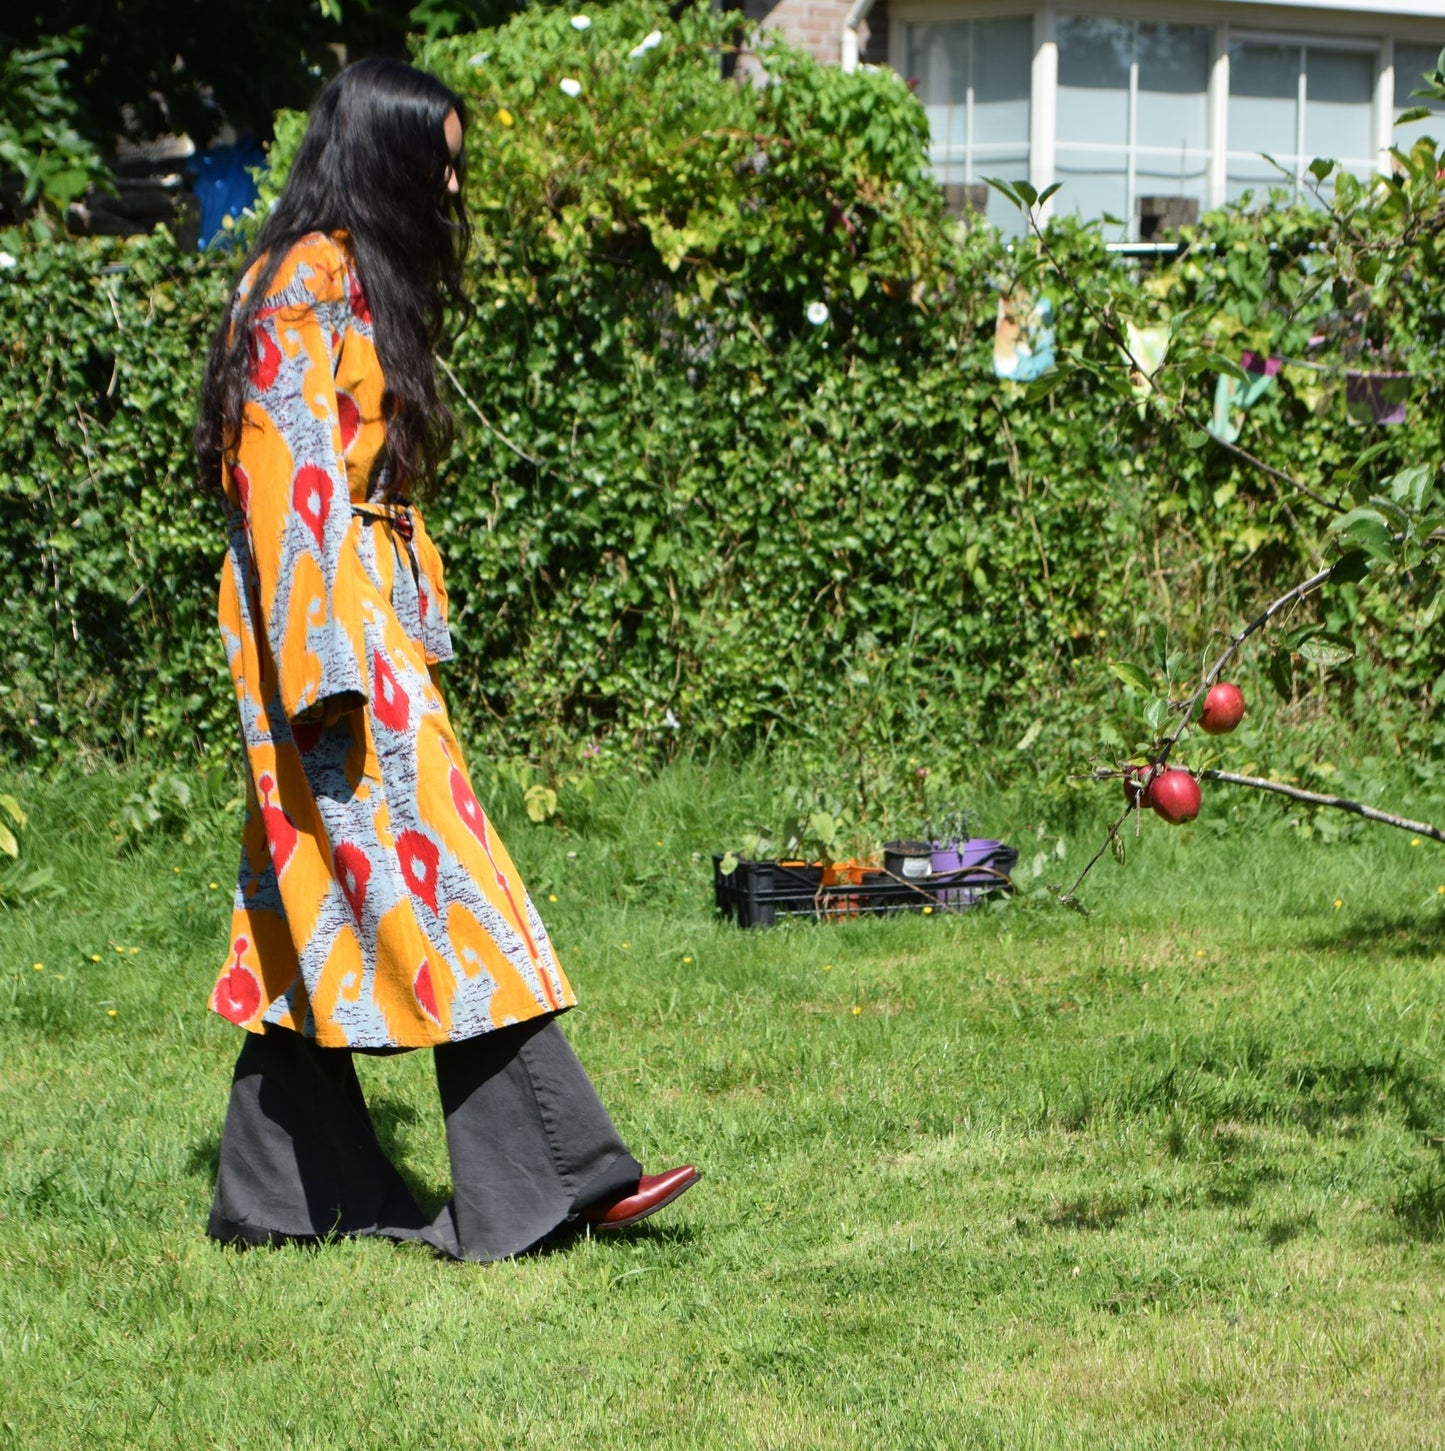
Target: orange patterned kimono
{"points": [[376, 906]]}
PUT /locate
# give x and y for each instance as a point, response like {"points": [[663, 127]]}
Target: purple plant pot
{"points": [[958, 856]]}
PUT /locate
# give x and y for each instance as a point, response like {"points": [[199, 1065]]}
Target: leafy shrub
{"points": [[735, 460]]}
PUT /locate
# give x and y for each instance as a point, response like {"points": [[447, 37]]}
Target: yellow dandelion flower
{"points": [[1415, 841], [551, 896], [504, 116], [827, 967], [121, 950], [110, 1012], [38, 966], [60, 977], [857, 1010], [687, 959], [95, 957], [1339, 901], [214, 885], [176, 870], [928, 911], [1441, 891], [134, 950], [1199, 952], [626, 945]]}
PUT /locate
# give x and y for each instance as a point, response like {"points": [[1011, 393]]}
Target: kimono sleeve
{"points": [[292, 485]]}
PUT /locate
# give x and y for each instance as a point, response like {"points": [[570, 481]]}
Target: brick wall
{"points": [[817, 26]]}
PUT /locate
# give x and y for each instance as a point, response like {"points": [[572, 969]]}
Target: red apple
{"points": [[1174, 795], [1223, 709], [1136, 784]]}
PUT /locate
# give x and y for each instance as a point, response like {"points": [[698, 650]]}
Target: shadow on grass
{"points": [[204, 1158], [1329, 1092], [1281, 1231], [1402, 935], [1420, 1209], [1090, 1211]]}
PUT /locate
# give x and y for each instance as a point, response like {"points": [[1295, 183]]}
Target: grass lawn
{"points": [[1170, 1175]]}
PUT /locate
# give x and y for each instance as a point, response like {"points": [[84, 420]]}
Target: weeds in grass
{"points": [[1169, 1176]]}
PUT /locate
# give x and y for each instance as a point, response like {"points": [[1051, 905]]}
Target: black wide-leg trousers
{"points": [[529, 1141]]}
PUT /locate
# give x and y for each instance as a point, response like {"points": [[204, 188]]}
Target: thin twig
{"points": [[1289, 597], [486, 422], [1319, 798], [1109, 836]]}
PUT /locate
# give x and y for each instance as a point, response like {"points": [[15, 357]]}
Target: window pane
{"points": [[1254, 174], [1094, 182], [1003, 56], [1412, 62], [1192, 180], [1339, 104], [938, 61], [1094, 60], [1173, 82], [988, 64], [1263, 98]]}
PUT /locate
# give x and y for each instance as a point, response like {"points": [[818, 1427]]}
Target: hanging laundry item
{"points": [[1023, 336], [1376, 397], [1148, 347], [1233, 398]]}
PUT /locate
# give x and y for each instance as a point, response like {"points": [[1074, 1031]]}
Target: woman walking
{"points": [[376, 909]]}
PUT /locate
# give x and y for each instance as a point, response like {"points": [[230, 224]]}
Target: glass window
{"points": [[1095, 59], [1412, 64], [974, 78], [1293, 103], [1340, 106], [1174, 87], [1133, 113]]}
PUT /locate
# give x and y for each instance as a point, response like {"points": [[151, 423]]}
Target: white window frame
{"points": [[972, 150], [1302, 42], [1132, 144], [1370, 27]]}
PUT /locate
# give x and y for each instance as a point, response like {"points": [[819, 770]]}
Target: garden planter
{"points": [[911, 860], [847, 873], [756, 894]]}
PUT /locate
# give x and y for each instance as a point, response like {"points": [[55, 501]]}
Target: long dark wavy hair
{"points": [[373, 162]]}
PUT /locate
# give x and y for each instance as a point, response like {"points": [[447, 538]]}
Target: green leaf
{"points": [[1367, 528], [1130, 674], [1327, 650], [729, 863], [1156, 714], [8, 844], [1350, 567], [1048, 191], [1412, 486], [12, 808], [1004, 189], [540, 801], [1281, 674], [1321, 167]]}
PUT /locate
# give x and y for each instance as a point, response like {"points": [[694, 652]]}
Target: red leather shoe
{"points": [[654, 1191]]}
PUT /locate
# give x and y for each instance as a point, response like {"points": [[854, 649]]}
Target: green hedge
{"points": [[677, 499]]}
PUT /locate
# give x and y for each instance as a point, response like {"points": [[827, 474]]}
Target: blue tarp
{"points": [[224, 186]]}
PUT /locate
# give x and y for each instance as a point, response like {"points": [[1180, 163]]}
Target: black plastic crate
{"points": [[755, 894]]}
